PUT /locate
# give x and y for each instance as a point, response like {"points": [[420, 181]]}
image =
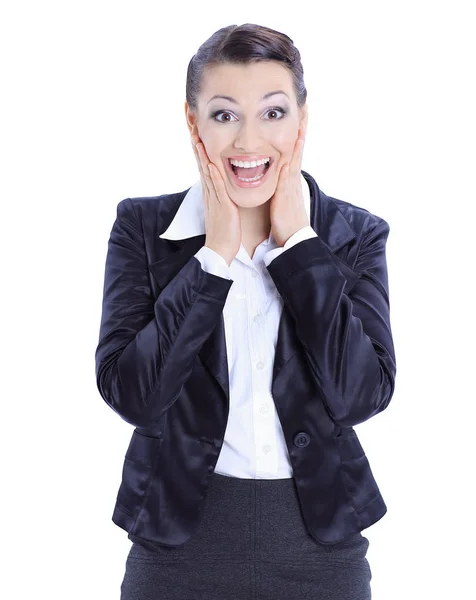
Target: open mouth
{"points": [[249, 176]]}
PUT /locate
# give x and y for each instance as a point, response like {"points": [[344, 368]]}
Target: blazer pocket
{"points": [[356, 472], [349, 445], [139, 462]]}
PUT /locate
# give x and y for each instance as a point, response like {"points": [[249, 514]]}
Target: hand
{"points": [[287, 211], [222, 217]]}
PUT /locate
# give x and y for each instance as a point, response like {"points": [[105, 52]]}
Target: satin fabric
{"points": [[254, 446], [161, 365]]}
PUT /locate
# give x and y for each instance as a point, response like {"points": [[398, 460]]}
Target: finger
{"points": [[202, 163], [283, 178], [205, 172], [296, 160], [194, 135], [204, 160], [195, 141], [218, 183]]}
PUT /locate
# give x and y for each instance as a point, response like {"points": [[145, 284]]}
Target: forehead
{"points": [[245, 83]]}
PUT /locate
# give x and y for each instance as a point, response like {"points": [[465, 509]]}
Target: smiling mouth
{"points": [[250, 174]]}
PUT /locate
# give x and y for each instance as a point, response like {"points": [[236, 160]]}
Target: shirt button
{"points": [[257, 319], [266, 448], [264, 408], [260, 364], [254, 273]]}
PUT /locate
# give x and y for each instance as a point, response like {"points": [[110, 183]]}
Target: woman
{"points": [[245, 330]]}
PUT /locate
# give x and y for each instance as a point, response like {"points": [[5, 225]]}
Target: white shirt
{"points": [[254, 446]]}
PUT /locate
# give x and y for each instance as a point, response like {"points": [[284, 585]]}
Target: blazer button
{"points": [[301, 439]]}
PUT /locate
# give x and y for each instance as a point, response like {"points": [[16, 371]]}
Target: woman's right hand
{"points": [[222, 217]]}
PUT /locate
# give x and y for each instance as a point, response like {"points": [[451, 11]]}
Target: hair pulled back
{"points": [[245, 44]]}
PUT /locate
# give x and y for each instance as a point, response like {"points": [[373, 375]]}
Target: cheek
{"points": [[284, 140], [213, 147]]}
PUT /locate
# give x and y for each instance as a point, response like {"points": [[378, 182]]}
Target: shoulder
{"points": [[333, 214], [151, 211], [359, 218]]}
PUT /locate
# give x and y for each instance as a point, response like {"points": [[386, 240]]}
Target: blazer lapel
{"points": [[327, 221], [334, 230], [213, 351]]}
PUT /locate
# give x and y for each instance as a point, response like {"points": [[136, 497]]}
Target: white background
{"points": [[92, 112]]}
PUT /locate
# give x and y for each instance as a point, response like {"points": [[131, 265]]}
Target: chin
{"points": [[250, 198]]}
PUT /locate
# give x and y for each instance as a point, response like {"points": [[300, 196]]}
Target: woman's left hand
{"points": [[287, 212]]}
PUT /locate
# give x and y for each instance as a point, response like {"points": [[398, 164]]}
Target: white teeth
{"points": [[248, 165], [252, 178]]}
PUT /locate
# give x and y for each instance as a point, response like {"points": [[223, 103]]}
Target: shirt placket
{"points": [[261, 372]]}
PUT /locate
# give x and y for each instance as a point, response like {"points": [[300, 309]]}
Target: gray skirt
{"points": [[251, 544]]}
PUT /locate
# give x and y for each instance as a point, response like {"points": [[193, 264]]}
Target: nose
{"points": [[248, 138]]}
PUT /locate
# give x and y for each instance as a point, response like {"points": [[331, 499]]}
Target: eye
{"points": [[219, 113], [274, 111], [228, 117]]}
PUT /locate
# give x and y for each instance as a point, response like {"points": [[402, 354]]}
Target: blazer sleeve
{"points": [[147, 346], [346, 337]]}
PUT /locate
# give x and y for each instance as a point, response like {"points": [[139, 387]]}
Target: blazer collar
{"points": [[186, 229], [189, 220]]}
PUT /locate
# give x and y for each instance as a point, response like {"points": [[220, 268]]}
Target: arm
{"points": [[347, 338], [147, 346]]}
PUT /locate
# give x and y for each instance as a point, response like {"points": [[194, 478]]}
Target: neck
{"points": [[255, 223]]}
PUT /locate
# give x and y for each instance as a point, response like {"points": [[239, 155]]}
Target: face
{"points": [[249, 124]]}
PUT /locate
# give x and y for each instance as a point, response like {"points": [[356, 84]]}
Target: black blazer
{"points": [[161, 365]]}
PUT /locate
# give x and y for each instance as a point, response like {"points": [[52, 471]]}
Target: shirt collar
{"points": [[189, 220]]}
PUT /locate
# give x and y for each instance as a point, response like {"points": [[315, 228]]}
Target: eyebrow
{"points": [[230, 99]]}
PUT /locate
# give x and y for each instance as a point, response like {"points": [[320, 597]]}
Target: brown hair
{"points": [[244, 44]]}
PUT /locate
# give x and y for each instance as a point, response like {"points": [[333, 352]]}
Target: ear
{"points": [[191, 119]]}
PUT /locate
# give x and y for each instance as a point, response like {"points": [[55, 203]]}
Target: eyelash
{"points": [[276, 108]]}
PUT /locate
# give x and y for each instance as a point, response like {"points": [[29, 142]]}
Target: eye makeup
{"points": [[215, 114]]}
